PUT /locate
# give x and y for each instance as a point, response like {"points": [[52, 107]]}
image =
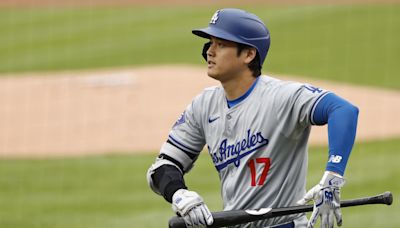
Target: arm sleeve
{"points": [[341, 117]]}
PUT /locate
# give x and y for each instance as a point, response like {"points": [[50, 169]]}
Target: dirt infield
{"points": [[127, 110]]}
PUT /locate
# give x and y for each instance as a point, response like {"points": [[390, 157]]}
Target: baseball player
{"points": [[256, 129]]}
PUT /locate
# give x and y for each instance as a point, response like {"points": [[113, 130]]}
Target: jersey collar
{"points": [[232, 103]]}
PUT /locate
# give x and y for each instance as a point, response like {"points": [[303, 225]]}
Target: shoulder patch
{"points": [[181, 119], [312, 88]]}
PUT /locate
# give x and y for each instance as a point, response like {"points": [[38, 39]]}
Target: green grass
{"points": [[357, 44], [111, 191]]}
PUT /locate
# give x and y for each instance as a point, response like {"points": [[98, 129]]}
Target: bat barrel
{"points": [[176, 222], [221, 219]]}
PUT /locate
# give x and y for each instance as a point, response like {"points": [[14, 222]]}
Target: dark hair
{"points": [[254, 65]]}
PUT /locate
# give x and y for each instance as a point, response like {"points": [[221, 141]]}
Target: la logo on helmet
{"points": [[214, 18]]}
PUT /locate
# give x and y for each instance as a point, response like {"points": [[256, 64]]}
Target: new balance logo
{"points": [[335, 159]]}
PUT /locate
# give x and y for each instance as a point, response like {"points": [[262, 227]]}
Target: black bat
{"points": [[235, 217]]}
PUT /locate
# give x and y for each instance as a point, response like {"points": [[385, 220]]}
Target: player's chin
{"points": [[211, 73]]}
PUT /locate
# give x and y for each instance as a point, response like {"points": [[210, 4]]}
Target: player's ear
{"points": [[250, 53], [205, 49]]}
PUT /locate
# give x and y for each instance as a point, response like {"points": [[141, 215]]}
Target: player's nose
{"points": [[211, 50]]}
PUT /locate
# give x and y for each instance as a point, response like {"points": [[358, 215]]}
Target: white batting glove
{"points": [[326, 197], [191, 207]]}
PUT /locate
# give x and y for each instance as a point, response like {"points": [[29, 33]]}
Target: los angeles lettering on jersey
{"points": [[233, 153]]}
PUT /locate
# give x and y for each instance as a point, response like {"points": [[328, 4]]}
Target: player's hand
{"points": [[326, 197], [191, 207]]}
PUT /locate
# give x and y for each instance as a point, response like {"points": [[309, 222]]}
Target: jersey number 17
{"points": [[266, 162]]}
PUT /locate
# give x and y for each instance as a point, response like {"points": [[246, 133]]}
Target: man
{"points": [[256, 130]]}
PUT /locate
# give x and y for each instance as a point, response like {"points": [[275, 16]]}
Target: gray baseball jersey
{"points": [[259, 146]]}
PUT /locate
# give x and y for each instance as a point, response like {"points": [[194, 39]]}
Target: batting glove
{"points": [[191, 207], [326, 197]]}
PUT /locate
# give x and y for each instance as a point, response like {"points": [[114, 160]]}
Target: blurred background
{"points": [[90, 89]]}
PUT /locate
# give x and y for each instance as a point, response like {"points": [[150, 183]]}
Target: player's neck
{"points": [[236, 87]]}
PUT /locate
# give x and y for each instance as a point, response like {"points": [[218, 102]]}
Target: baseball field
{"points": [[88, 94]]}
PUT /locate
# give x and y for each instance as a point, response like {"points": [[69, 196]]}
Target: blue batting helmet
{"points": [[238, 26]]}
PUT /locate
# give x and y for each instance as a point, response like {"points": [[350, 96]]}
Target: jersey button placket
{"points": [[228, 123]]}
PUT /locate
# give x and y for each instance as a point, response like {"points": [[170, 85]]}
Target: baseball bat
{"points": [[235, 217]]}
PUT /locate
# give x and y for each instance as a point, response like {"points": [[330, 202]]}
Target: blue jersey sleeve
{"points": [[341, 117]]}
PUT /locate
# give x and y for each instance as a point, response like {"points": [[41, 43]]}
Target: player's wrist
{"points": [[179, 192], [172, 188], [184, 200], [332, 179]]}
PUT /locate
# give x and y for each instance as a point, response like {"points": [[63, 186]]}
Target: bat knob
{"points": [[388, 198]]}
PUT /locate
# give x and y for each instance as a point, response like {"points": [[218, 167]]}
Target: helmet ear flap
{"points": [[205, 49]]}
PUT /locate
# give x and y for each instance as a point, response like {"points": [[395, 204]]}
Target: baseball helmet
{"points": [[238, 26]]}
